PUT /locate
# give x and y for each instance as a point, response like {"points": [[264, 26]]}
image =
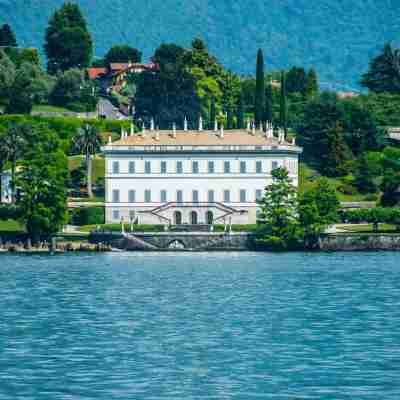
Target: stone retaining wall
{"points": [[360, 242]]}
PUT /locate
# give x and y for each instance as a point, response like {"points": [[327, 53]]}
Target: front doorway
{"points": [[177, 218], [209, 217], [193, 218]]}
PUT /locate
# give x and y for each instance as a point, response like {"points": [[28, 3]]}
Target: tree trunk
{"points": [[89, 174]]}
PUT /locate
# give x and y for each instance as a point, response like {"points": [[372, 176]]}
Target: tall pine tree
{"points": [[68, 41], [283, 105], [312, 87], [240, 113], [213, 114], [259, 103]]}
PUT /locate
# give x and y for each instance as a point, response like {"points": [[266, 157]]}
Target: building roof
{"points": [[202, 138], [94, 73]]}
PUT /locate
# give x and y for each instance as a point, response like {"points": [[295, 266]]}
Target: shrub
{"points": [[87, 216]]}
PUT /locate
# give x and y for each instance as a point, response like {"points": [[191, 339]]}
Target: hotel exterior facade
{"points": [[193, 177]]}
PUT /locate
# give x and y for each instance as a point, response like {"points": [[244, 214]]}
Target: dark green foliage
{"points": [[283, 118], [229, 118], [87, 216], [296, 81], [337, 151], [384, 72], [213, 114], [170, 95], [312, 86], [7, 36], [375, 216], [391, 177], [240, 113], [368, 169], [68, 41], [9, 212], [318, 208], [269, 110], [279, 225], [259, 101], [42, 181], [122, 54]]}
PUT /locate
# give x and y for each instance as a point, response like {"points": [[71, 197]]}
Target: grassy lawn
{"points": [[11, 226], [44, 108], [366, 228], [75, 162], [307, 177]]}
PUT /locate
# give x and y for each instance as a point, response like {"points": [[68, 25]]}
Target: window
{"points": [[211, 167], [195, 167], [274, 165], [163, 167], [131, 167], [131, 196], [258, 194], [243, 196], [258, 167], [115, 196], [147, 196], [211, 196], [163, 196], [115, 167], [116, 215], [179, 168], [227, 196], [242, 167], [179, 196], [195, 196], [147, 167], [227, 167]]}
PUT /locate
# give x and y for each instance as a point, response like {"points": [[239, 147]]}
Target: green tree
{"points": [[296, 80], [7, 76], [337, 152], [88, 142], [240, 113], [42, 180], [279, 224], [318, 208], [213, 114], [269, 104], [391, 177], [12, 146], [259, 104], [312, 86], [7, 36], [384, 72], [122, 54], [368, 169], [68, 43], [283, 105]]}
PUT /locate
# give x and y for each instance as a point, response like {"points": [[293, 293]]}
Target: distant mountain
{"points": [[338, 37]]}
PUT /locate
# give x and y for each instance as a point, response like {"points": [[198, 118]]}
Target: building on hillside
{"points": [[5, 187], [193, 177], [394, 133]]}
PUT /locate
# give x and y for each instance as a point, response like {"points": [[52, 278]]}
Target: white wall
{"points": [[5, 187]]}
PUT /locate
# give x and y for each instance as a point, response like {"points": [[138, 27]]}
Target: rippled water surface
{"points": [[200, 326]]}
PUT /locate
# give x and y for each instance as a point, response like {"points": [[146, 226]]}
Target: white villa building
{"points": [[193, 177], [6, 196]]}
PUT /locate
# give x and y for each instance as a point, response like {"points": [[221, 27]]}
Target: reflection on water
{"points": [[200, 326]]}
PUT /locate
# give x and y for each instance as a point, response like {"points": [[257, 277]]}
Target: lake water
{"points": [[200, 326]]}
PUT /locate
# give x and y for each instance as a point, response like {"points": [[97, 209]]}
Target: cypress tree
{"points": [[7, 36], [283, 105], [229, 118], [268, 115], [213, 114], [240, 114], [260, 89], [312, 86]]}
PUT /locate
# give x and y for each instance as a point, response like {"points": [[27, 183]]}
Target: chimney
{"points": [[185, 124], [200, 124]]}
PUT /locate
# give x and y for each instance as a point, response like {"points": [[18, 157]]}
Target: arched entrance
{"points": [[193, 218], [209, 217], [177, 218]]}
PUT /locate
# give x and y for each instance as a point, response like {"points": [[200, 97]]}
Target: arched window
{"points": [[209, 217], [193, 218], [177, 218]]}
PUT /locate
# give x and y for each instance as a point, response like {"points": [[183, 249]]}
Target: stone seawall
{"points": [[167, 241], [360, 242]]}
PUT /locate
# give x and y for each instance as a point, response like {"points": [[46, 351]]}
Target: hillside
{"points": [[337, 37]]}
